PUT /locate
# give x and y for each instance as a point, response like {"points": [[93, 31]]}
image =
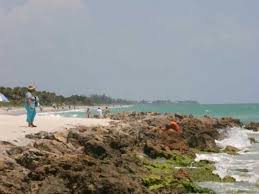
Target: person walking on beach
{"points": [[100, 112], [31, 102], [88, 112]]}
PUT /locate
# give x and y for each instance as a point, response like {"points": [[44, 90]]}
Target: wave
{"points": [[236, 137], [60, 112], [121, 106], [242, 167]]}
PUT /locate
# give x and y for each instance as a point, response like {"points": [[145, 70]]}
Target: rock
{"points": [[30, 159], [40, 135], [6, 164], [74, 138], [16, 150], [12, 177], [53, 146], [96, 149], [231, 150], [52, 185], [226, 122], [105, 159], [4, 146], [178, 116], [158, 121], [198, 134], [2, 165], [153, 151], [252, 126], [229, 179], [60, 136]]}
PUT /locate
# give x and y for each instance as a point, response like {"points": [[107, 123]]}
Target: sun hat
{"points": [[31, 87]]}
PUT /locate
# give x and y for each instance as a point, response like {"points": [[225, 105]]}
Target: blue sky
{"points": [[136, 49]]}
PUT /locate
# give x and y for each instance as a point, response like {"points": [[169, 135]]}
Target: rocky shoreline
{"points": [[134, 154]]}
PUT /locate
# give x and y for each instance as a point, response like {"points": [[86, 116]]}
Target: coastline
{"points": [[13, 128], [47, 109], [131, 148]]}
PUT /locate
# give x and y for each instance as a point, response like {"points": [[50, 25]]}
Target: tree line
{"points": [[16, 97]]}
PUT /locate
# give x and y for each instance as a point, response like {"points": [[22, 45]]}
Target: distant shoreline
{"points": [[19, 110]]}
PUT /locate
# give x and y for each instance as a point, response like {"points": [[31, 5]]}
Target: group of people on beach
{"points": [[32, 102], [100, 113]]}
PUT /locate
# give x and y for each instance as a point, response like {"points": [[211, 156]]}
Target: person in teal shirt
{"points": [[31, 102]]}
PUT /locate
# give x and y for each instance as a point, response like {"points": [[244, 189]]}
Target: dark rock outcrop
{"points": [[252, 126], [104, 159]]}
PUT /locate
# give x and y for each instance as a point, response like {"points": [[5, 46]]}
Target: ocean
{"points": [[245, 112], [243, 167]]}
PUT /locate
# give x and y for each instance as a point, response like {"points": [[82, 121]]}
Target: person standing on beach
{"points": [[88, 112], [31, 102], [100, 112]]}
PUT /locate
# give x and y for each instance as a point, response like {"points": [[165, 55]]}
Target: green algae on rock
{"points": [[154, 182], [231, 150], [180, 171]]}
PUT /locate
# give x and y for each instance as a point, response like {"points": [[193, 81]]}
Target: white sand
{"points": [[14, 128]]}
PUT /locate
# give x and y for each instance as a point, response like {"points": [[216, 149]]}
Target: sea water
{"points": [[245, 112], [243, 167]]}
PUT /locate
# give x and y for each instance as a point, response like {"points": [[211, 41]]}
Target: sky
{"points": [[136, 49]]}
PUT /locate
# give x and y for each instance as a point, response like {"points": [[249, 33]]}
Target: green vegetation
{"points": [[231, 150], [180, 172], [16, 98], [156, 182], [203, 171]]}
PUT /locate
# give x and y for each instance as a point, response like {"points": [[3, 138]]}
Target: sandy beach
{"points": [[13, 128], [46, 109]]}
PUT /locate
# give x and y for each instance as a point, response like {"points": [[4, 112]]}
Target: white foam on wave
{"points": [[224, 188], [59, 113], [220, 162], [228, 165], [253, 178], [236, 137], [121, 106], [241, 167], [48, 114], [62, 111]]}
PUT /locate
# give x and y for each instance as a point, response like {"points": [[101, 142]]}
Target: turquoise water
{"points": [[245, 112]]}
